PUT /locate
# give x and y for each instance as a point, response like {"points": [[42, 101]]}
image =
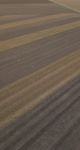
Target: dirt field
{"points": [[39, 76]]}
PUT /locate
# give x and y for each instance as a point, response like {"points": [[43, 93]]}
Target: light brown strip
{"points": [[32, 37]]}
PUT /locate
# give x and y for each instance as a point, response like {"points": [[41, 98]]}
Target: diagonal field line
{"points": [[32, 37], [35, 20], [65, 6]]}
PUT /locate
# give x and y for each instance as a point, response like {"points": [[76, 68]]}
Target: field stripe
{"points": [[17, 104], [10, 17], [32, 37], [34, 21]]}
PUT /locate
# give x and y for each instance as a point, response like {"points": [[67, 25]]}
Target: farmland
{"points": [[39, 77]]}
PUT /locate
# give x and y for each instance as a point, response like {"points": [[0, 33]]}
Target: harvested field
{"points": [[39, 77]]}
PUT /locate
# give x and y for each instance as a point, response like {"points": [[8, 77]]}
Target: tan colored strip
{"points": [[10, 17], [27, 98], [29, 38], [14, 17], [2, 18], [34, 21]]}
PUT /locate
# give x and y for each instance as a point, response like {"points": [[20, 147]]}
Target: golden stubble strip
{"points": [[32, 37], [18, 104], [5, 17], [36, 20]]}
